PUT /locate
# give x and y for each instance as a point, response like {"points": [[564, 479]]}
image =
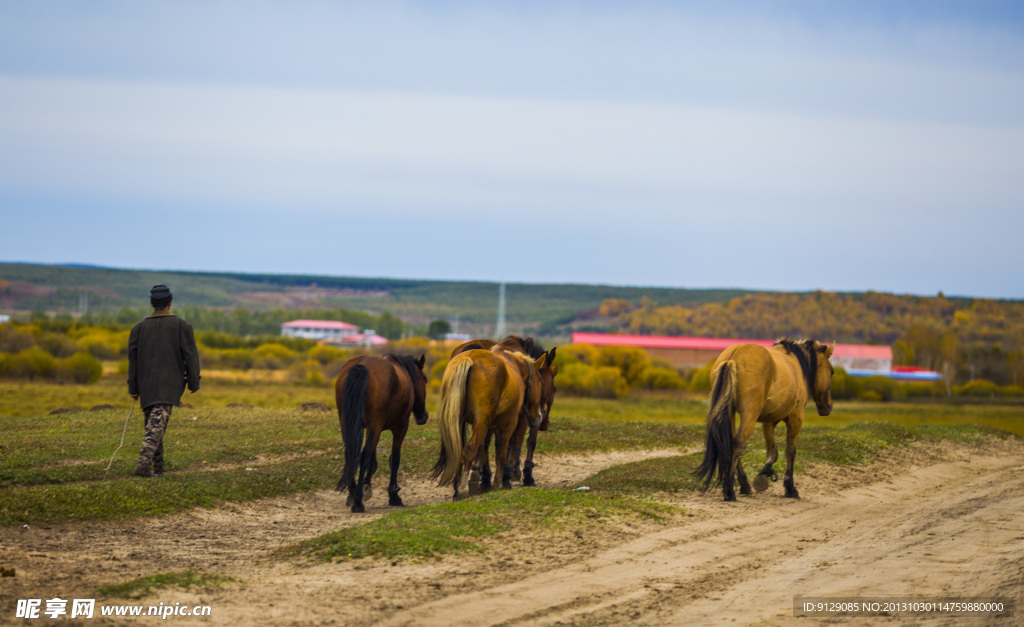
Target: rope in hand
{"points": [[122, 438]]}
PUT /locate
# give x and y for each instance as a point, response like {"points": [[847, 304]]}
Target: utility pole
{"points": [[500, 330]]}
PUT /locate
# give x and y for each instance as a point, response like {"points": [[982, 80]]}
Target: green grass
{"points": [[454, 528], [52, 467], [144, 586]]}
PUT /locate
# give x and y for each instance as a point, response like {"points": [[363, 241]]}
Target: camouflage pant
{"points": [[157, 417]]}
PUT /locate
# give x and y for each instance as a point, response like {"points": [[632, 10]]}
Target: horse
{"points": [[766, 385], [377, 394], [486, 390], [527, 346]]}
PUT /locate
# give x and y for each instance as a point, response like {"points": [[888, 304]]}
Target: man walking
{"points": [[162, 359]]}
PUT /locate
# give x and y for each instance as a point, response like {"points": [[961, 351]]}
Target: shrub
{"points": [[79, 368], [659, 378], [884, 387], [104, 344], [575, 353], [630, 361], [33, 363], [273, 356], [437, 371], [922, 389], [870, 395], [326, 354], [979, 388], [573, 378], [844, 386], [607, 382], [1011, 390], [701, 379]]}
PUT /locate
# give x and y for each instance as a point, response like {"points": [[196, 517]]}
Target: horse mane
{"points": [[532, 348], [409, 363], [806, 355]]}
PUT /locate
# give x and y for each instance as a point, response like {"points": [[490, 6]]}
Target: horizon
{"points": [[788, 147], [496, 283]]}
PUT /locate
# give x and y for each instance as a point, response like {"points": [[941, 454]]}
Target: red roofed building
{"points": [[689, 352], [318, 329]]}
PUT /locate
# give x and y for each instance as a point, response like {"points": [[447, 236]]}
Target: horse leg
{"points": [[476, 471], [397, 437], [531, 444], [767, 472], [515, 448], [366, 462], [502, 458], [367, 488], [483, 465], [793, 424], [471, 451], [739, 443]]}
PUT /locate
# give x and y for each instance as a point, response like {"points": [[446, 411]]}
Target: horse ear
{"points": [[422, 360], [830, 349], [551, 357], [541, 361]]}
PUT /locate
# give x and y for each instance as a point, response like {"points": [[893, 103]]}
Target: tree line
{"points": [[964, 339]]}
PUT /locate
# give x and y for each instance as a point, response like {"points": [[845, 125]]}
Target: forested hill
{"points": [[966, 337], [541, 307]]}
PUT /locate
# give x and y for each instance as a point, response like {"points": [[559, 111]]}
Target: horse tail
{"points": [[453, 400], [718, 439], [353, 393]]}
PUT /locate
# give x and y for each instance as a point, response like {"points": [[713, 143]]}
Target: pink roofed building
{"points": [[318, 329], [689, 352]]}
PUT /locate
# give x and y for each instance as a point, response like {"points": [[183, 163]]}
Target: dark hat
{"points": [[160, 292]]}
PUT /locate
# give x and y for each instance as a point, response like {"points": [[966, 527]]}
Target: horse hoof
{"points": [[761, 483], [793, 495], [395, 502], [358, 508], [529, 482], [517, 475], [367, 492]]}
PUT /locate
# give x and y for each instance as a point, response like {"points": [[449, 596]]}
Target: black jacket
{"points": [[162, 356]]}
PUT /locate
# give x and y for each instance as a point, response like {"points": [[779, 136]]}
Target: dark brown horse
{"points": [[527, 346], [485, 391], [766, 385], [377, 394]]}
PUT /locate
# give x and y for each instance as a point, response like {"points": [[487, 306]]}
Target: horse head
{"points": [[823, 379], [533, 371], [419, 387], [547, 387]]}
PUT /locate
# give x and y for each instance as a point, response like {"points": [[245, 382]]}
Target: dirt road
{"points": [[924, 522]]}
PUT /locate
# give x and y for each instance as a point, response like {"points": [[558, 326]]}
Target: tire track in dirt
{"points": [[949, 529]]}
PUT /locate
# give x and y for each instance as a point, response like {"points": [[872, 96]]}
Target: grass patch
{"points": [[144, 586], [52, 467], [453, 528]]}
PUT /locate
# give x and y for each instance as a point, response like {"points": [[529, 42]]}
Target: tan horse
{"points": [[527, 346], [486, 391], [766, 385]]}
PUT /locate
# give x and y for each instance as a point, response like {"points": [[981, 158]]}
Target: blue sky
{"points": [[793, 146]]}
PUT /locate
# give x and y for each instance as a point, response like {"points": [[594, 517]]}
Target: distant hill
{"points": [[544, 309]]}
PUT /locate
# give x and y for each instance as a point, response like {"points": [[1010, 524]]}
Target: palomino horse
{"points": [[378, 394], [485, 390], [766, 385], [527, 346]]}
